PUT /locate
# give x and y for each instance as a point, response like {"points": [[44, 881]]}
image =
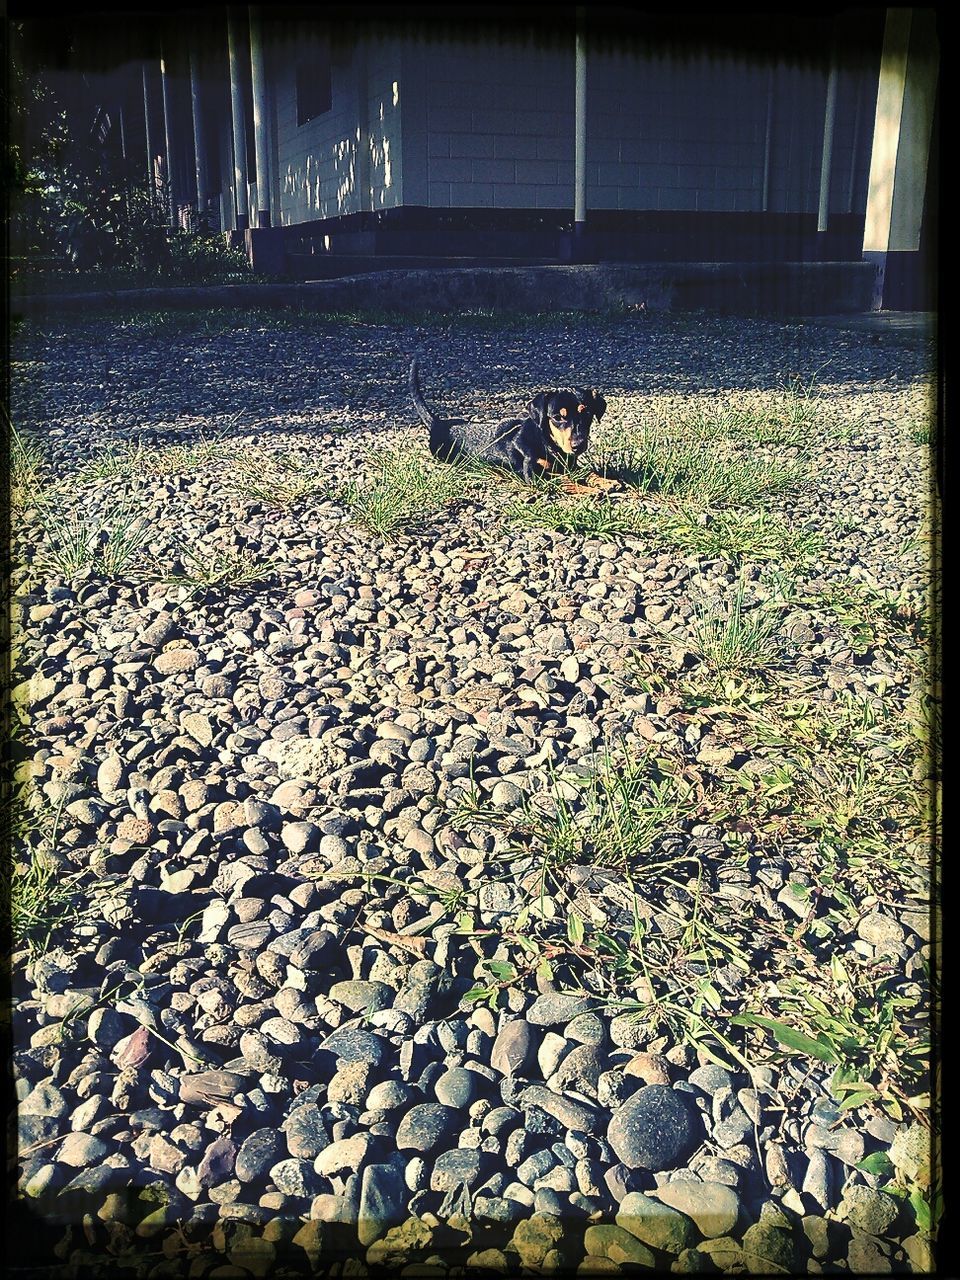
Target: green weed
{"points": [[871, 1029], [737, 535], [402, 486], [81, 539], [131, 460], [592, 516], [733, 638], [278, 480], [218, 567]]}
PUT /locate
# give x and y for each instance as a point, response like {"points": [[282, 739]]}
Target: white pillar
{"points": [[580, 135], [148, 132], [261, 141], [826, 157], [167, 139], [239, 124], [901, 151], [199, 147], [364, 171]]}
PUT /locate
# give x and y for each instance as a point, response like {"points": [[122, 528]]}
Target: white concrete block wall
{"points": [[674, 136], [384, 119], [458, 124], [797, 140], [661, 135], [318, 162], [497, 125]]}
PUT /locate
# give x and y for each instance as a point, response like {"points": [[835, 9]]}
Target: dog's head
{"points": [[565, 417]]}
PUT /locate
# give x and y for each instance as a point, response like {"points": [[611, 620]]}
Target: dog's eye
{"points": [[581, 408], [563, 413]]}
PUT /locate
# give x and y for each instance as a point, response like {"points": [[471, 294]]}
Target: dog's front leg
{"points": [[535, 468]]}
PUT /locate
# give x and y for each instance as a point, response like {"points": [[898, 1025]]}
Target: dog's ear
{"points": [[594, 401], [537, 409], [599, 405]]}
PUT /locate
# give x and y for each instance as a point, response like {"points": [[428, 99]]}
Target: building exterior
{"points": [[313, 139]]}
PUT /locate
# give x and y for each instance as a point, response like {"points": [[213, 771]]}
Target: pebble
{"points": [[258, 1152], [655, 1129], [655, 1223], [713, 1207], [553, 1009], [512, 1049]]}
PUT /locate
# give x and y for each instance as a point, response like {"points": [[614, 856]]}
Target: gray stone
{"points": [[305, 1133], [586, 1028], [497, 1209], [258, 1152], [764, 1244], [295, 1177], [300, 837], [81, 1150], [346, 1155], [866, 1256], [610, 1241], [45, 1099], [579, 1070], [710, 1078], [426, 1127], [453, 1169], [883, 932], [457, 1088], [571, 1113], [818, 1180], [389, 1095], [869, 1210], [383, 1198], [352, 1044], [712, 1206], [362, 997], [555, 1008], [656, 1128], [628, 1032], [513, 1048], [655, 1223], [217, 1163], [535, 1167]]}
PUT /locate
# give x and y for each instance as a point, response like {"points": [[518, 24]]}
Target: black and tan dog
{"points": [[548, 441]]}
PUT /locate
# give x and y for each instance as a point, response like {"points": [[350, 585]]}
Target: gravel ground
{"points": [[255, 1044]]}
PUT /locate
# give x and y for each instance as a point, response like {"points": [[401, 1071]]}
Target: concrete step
{"points": [[333, 266], [740, 288]]}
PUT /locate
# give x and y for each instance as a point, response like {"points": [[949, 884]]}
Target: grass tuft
{"points": [[81, 539], [733, 638], [402, 486], [278, 480], [132, 460], [737, 535], [592, 516], [219, 567]]}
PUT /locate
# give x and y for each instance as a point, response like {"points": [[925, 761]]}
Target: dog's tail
{"points": [[440, 443], [424, 412]]}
